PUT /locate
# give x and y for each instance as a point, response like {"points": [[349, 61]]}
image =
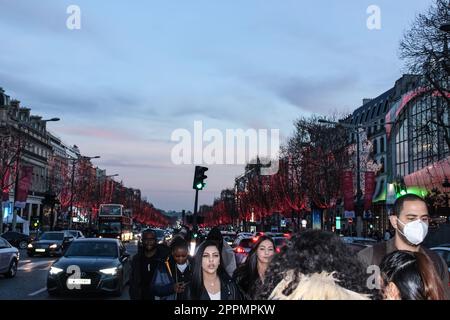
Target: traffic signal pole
{"points": [[195, 226]]}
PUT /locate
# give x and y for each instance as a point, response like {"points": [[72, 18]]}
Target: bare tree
{"points": [[424, 49]]}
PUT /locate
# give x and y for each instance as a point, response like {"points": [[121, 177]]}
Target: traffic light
{"points": [[35, 222], [199, 178], [400, 188]]}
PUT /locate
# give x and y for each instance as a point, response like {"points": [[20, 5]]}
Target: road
{"points": [[31, 278]]}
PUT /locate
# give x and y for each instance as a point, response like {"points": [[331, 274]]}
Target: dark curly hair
{"points": [[314, 251]]}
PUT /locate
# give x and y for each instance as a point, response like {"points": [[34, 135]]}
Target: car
{"points": [[245, 234], [278, 234], [9, 259], [279, 242], [241, 248], [364, 241], [17, 239], [229, 239], [355, 247], [160, 235], [101, 265], [50, 243], [76, 234], [444, 252]]}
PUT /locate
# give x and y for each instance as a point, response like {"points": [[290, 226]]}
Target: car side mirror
{"points": [[68, 239]]}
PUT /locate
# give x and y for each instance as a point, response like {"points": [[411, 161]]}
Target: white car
{"points": [[9, 259]]}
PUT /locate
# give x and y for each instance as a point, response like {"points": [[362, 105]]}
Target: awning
{"points": [[9, 219], [380, 191]]}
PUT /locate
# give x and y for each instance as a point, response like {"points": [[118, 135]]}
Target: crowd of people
{"points": [[314, 265]]}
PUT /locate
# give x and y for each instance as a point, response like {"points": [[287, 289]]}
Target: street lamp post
{"points": [[17, 178], [72, 180], [356, 128]]}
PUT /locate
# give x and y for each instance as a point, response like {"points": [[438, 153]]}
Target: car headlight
{"points": [[53, 246], [30, 245], [109, 271], [55, 270]]}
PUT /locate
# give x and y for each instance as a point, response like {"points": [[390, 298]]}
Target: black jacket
{"points": [[136, 286], [169, 268], [228, 290]]}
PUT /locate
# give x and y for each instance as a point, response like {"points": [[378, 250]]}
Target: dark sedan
{"points": [[91, 265], [17, 239], [50, 243]]}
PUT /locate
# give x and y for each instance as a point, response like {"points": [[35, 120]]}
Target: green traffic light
{"points": [[199, 186]]}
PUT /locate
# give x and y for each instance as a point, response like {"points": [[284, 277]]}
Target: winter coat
{"points": [[316, 286]]}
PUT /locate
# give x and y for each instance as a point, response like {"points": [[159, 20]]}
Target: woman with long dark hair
{"points": [[252, 272], [410, 275], [209, 280]]}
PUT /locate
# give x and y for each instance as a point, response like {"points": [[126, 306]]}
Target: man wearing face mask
{"points": [[410, 221]]}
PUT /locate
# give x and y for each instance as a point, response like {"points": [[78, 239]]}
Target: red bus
{"points": [[115, 222]]}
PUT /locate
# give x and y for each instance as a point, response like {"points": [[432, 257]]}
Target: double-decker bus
{"points": [[115, 222]]}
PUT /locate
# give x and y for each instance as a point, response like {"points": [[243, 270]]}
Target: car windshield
{"points": [[159, 233], [52, 236], [92, 249], [109, 227], [73, 233]]}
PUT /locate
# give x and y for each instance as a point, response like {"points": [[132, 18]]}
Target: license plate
{"points": [[78, 281], [40, 250]]}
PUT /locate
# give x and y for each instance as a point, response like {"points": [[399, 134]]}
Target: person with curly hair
{"points": [[252, 272], [315, 265], [408, 275]]}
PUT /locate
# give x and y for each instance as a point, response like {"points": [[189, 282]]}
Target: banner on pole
{"points": [[24, 186]]}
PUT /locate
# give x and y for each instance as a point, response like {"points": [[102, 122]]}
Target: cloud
{"points": [[36, 17], [96, 132], [133, 164]]}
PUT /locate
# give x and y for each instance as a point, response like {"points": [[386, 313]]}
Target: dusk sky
{"points": [[138, 70]]}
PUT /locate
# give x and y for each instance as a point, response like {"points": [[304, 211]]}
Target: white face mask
{"points": [[182, 267], [414, 231]]}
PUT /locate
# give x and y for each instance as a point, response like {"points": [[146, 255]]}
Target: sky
{"points": [[138, 70]]}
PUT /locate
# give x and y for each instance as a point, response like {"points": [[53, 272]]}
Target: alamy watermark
{"points": [[73, 21], [374, 20], [235, 146]]}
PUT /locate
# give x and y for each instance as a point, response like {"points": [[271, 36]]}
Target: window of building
{"points": [[401, 146], [382, 165], [375, 146], [385, 107], [379, 109], [382, 144], [373, 112]]}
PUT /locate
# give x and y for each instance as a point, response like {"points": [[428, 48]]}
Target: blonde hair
{"points": [[316, 286]]}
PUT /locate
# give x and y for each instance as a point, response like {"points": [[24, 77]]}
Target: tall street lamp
{"points": [[19, 154], [74, 161], [355, 128]]}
